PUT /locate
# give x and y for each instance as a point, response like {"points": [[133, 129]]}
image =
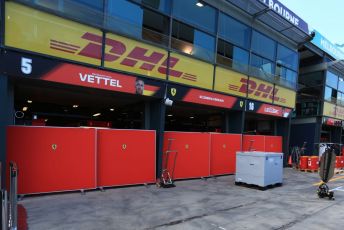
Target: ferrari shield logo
{"points": [[54, 146], [241, 104], [173, 91]]}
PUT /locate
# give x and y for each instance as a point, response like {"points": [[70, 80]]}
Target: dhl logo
{"points": [[259, 90], [117, 49]]}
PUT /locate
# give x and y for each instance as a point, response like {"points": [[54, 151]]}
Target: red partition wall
{"points": [[192, 159], [223, 153], [125, 157], [52, 159], [255, 142], [273, 144]]}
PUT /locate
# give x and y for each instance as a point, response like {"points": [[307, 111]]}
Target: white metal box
{"points": [[259, 168]]}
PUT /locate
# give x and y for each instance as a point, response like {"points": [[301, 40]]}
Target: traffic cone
{"points": [[290, 163]]}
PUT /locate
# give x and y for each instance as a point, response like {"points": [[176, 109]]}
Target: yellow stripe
{"points": [[333, 179], [148, 92]]}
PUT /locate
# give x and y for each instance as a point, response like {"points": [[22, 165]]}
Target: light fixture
{"points": [[25, 108], [46, 120], [29, 101], [112, 109], [75, 106], [199, 4], [96, 114], [187, 49], [169, 115], [192, 117], [168, 102]]}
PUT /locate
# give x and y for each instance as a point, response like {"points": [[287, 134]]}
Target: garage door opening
{"points": [[194, 118], [40, 103]]}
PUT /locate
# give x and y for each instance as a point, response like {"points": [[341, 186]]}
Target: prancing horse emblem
{"points": [[173, 91], [241, 104]]}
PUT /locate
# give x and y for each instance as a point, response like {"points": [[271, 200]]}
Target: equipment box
{"points": [[259, 168]]}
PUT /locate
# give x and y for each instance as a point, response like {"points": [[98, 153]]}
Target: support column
{"points": [[283, 129], [335, 134], [6, 118], [234, 121], [155, 120]]}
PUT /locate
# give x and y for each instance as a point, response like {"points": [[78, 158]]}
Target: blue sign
{"points": [[325, 45], [287, 14]]}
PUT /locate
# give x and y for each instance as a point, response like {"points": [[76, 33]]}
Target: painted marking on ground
{"points": [[333, 179], [341, 188], [218, 226]]}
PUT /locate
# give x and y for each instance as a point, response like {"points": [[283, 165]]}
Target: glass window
{"points": [[89, 11], [341, 84], [161, 5], [232, 56], [263, 45], [234, 31], [155, 27], [124, 17], [288, 77], [133, 20], [203, 17], [331, 79], [192, 41], [340, 97], [261, 67], [287, 57], [330, 94]]}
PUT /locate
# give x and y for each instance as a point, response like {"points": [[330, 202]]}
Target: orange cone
{"points": [[289, 161]]}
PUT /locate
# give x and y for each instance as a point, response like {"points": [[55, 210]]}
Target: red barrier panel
{"points": [[303, 162], [341, 163], [253, 143], [273, 144], [262, 143], [125, 157], [223, 153], [313, 163], [193, 154], [52, 159]]}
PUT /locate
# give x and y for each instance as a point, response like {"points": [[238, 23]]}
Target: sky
{"points": [[327, 17]]}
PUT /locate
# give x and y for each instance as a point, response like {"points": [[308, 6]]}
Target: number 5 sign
{"points": [[26, 65]]}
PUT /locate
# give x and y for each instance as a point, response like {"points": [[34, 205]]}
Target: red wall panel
{"points": [[193, 149], [223, 153], [256, 142], [273, 144], [52, 159], [125, 157]]}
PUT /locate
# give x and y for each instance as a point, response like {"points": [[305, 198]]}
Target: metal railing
{"points": [[9, 211]]}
